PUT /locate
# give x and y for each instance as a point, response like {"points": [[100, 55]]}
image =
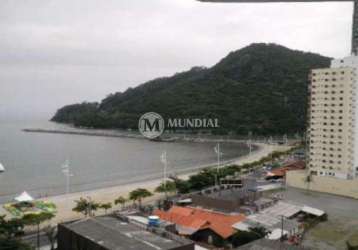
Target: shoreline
{"points": [[165, 137], [85, 132], [65, 202], [38, 194]]}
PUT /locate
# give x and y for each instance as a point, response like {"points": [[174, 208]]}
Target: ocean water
{"points": [[33, 160]]}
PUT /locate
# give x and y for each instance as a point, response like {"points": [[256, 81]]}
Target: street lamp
{"points": [[66, 170], [163, 159], [249, 145], [218, 153]]}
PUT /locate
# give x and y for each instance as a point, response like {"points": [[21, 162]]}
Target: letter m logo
{"points": [[151, 125], [148, 125]]}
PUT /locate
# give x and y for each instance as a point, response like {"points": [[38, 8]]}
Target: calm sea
{"points": [[33, 161]]}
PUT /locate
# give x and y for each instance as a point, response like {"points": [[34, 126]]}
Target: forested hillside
{"points": [[260, 88]]}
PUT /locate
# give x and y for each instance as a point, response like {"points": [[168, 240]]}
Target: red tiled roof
{"points": [[291, 166], [198, 219], [296, 165], [278, 172]]}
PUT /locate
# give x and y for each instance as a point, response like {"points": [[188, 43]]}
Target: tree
{"points": [[105, 206], [10, 228], [35, 220], [244, 237], [139, 194], [259, 231], [166, 187], [85, 206], [120, 200], [10, 231], [204, 179], [51, 234], [13, 244], [260, 76], [182, 186]]}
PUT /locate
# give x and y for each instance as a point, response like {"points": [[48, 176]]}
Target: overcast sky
{"points": [[54, 52]]}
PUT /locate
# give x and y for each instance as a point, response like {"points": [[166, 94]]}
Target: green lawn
{"points": [[19, 211], [328, 234]]}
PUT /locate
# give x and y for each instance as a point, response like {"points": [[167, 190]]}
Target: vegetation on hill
{"points": [[261, 88]]}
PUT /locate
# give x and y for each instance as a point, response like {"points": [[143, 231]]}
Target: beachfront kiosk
{"points": [[24, 197], [26, 204]]}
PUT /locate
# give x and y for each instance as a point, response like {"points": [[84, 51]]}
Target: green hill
{"points": [[260, 88]]}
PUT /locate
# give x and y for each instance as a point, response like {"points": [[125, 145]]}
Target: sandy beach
{"points": [[65, 203]]}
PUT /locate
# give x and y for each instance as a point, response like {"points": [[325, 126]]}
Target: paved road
{"points": [[32, 240], [342, 219]]}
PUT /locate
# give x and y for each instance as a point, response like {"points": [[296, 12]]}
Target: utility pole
{"points": [[249, 144], [285, 139], [163, 159], [218, 153], [281, 228], [89, 206]]}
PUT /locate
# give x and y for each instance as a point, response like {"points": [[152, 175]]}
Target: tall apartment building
{"points": [[332, 129]]}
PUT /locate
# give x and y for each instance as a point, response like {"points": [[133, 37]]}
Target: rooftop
{"points": [[230, 194], [281, 172], [190, 220], [112, 233], [271, 217], [265, 244]]}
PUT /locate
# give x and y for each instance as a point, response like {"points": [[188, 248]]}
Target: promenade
{"points": [[66, 202]]}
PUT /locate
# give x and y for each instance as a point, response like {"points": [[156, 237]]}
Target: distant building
{"points": [[280, 172], [332, 136], [281, 215], [110, 233]]}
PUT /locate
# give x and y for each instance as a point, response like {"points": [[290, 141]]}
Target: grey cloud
{"points": [[58, 52]]}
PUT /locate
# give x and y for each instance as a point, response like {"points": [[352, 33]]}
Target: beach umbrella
{"points": [[24, 197]]}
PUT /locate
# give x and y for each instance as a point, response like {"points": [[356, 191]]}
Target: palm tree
{"points": [[35, 220], [86, 206], [106, 206], [139, 194], [120, 200]]}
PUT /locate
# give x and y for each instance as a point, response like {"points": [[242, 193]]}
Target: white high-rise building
{"points": [[333, 128], [332, 160], [352, 62]]}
